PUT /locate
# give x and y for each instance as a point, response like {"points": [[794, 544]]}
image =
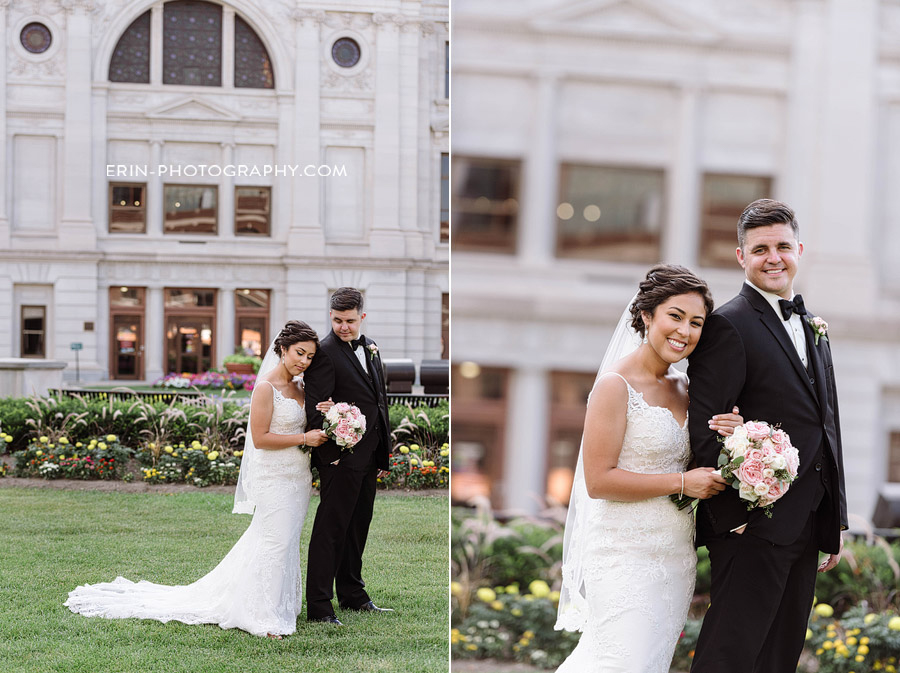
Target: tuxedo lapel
{"points": [[374, 374], [774, 324], [817, 366]]}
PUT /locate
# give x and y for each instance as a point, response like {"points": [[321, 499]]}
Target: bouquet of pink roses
{"points": [[760, 461], [345, 424]]}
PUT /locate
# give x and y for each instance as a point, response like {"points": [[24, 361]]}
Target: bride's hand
{"points": [[315, 437], [725, 424], [325, 405], [703, 483]]}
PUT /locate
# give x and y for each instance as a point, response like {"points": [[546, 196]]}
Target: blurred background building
{"points": [[593, 138], [122, 227]]}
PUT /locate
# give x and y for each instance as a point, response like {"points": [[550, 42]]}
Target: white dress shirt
{"points": [[360, 354], [793, 325]]}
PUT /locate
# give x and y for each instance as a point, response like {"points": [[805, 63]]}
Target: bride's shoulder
{"points": [[610, 385]]}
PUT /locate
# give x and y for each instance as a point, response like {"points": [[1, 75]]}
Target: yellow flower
{"points": [[110, 438], [515, 612], [824, 610], [512, 589], [863, 649], [859, 658], [50, 446], [195, 444], [869, 618], [43, 439], [78, 445], [63, 440], [413, 461], [851, 640], [554, 596], [168, 449], [39, 453], [486, 594], [213, 455], [404, 449], [539, 588], [497, 605], [239, 453], [62, 457], [445, 452], [413, 447], [894, 623], [101, 446], [455, 588], [809, 634], [864, 640], [175, 455], [827, 645]]}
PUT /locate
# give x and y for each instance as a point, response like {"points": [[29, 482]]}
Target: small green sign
{"points": [[76, 346]]}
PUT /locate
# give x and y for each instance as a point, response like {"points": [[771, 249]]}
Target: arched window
{"points": [[192, 49], [252, 67], [192, 43], [131, 59]]}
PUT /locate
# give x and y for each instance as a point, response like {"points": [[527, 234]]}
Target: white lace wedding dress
{"points": [[257, 586], [639, 559]]}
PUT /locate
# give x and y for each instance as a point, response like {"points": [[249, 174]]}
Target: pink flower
{"points": [[754, 454], [781, 439], [751, 472], [776, 490], [757, 429]]}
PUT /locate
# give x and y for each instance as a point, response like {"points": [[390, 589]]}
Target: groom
{"points": [[346, 368], [762, 353]]}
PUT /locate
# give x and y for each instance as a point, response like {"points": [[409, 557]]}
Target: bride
{"points": [[257, 586], [628, 553]]}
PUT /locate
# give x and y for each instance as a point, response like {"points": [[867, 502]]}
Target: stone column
{"points": [[525, 453], [306, 235], [77, 228], [154, 335], [225, 339], [540, 182], [4, 206], [681, 237], [155, 197], [386, 239]]}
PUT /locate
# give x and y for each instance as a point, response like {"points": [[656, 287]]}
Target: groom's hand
{"points": [[832, 559]]}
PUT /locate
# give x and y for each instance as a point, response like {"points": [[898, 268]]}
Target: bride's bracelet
{"points": [[303, 443], [681, 494]]}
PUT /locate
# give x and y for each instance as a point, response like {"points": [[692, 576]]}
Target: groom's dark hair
{"points": [[347, 299], [764, 213], [662, 282]]}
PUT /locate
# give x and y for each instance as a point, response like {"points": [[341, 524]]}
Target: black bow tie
{"points": [[795, 306], [356, 343]]}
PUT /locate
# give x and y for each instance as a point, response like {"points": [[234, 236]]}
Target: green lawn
{"points": [[52, 541]]}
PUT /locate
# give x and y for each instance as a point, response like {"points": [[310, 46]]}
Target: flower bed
{"points": [[211, 380]]}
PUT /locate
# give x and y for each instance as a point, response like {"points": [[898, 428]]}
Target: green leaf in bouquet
{"points": [[737, 461], [723, 460]]}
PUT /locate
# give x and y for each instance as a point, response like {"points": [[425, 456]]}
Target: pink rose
{"points": [[781, 439], [776, 490], [753, 454], [751, 472], [757, 429], [792, 457]]}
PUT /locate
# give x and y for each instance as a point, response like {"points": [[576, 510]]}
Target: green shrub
{"points": [[867, 572]]}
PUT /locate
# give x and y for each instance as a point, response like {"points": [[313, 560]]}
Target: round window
{"points": [[36, 38], [345, 52]]}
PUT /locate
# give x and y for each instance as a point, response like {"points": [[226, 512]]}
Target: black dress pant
{"points": [[761, 598], [339, 538]]}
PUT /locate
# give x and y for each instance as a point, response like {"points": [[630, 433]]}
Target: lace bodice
{"points": [[288, 417], [654, 442]]}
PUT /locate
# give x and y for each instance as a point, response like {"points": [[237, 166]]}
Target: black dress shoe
{"points": [[367, 607], [330, 619]]}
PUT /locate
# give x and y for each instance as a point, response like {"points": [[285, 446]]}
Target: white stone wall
{"points": [[803, 91], [386, 119]]}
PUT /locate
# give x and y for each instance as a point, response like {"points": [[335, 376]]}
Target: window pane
{"points": [[252, 66], [190, 210], [445, 197], [251, 334], [607, 212], [127, 210], [131, 297], [246, 298], [192, 43], [251, 210], [131, 58], [178, 298], [724, 199], [32, 335], [485, 204]]}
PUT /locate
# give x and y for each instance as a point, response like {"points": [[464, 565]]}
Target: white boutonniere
{"points": [[373, 350], [819, 327]]}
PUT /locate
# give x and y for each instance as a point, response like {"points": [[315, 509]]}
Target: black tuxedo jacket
{"points": [[335, 372], [745, 357]]}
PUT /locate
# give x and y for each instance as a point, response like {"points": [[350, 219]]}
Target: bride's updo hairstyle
{"points": [[662, 282], [294, 332]]}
